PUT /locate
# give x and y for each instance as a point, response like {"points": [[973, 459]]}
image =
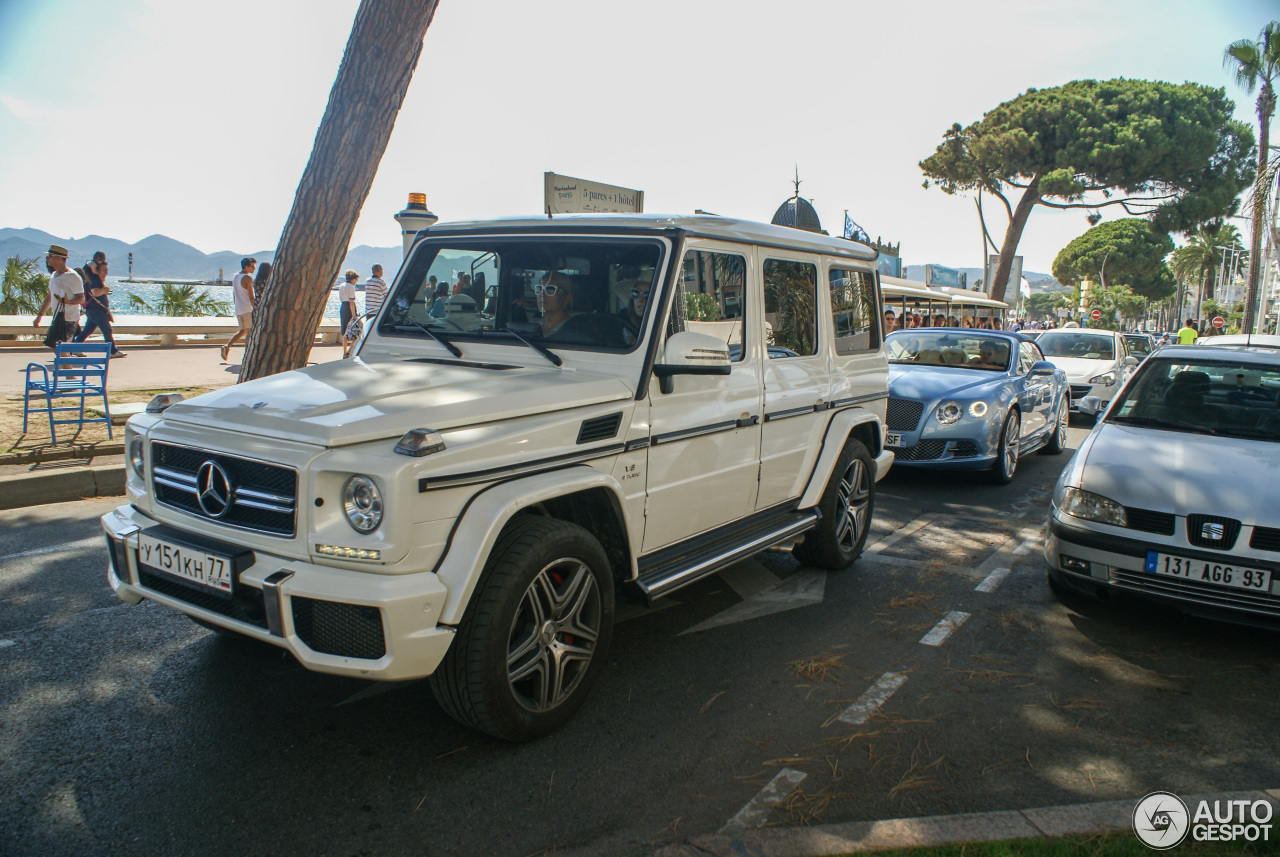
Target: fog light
{"points": [[348, 553], [1070, 563]]}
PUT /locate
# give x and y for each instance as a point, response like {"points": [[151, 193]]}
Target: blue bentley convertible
{"points": [[970, 399]]}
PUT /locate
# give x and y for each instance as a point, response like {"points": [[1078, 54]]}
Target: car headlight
{"points": [[1106, 378], [1092, 507], [362, 501], [949, 413], [978, 409], [136, 462]]}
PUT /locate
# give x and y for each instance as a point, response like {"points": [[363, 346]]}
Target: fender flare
{"points": [[488, 512], [832, 445]]}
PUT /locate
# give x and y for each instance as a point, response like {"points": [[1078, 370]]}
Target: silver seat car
{"points": [[1175, 494]]}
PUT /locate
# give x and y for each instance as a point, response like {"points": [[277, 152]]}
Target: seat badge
{"points": [[1213, 532]]}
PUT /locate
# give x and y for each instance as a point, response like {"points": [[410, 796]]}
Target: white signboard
{"points": [[566, 195], [993, 262]]}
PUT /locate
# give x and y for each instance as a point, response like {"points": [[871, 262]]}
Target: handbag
{"points": [[57, 331]]}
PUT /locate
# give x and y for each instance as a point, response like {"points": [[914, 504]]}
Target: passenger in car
{"points": [[555, 299], [633, 313]]}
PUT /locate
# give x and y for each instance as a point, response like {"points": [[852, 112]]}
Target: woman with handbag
{"points": [[66, 289]]}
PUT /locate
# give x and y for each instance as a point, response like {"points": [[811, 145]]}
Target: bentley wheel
{"points": [[536, 634], [1006, 463], [1058, 442], [846, 506]]}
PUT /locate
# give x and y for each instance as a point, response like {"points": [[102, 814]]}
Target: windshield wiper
{"points": [[545, 352], [453, 349]]}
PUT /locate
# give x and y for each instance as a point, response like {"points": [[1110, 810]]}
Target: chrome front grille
{"points": [[903, 414], [235, 492]]}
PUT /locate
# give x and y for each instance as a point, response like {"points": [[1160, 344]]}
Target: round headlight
{"points": [[362, 502], [135, 456], [978, 409], [949, 413]]}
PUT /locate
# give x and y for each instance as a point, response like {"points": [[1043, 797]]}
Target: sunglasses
{"points": [[639, 293], [550, 289]]}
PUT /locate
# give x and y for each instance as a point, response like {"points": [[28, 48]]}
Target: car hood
{"points": [[1183, 473], [1079, 369], [927, 383], [350, 401]]}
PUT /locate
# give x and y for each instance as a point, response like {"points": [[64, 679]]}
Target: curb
{"points": [[36, 489], [62, 453], [831, 840]]}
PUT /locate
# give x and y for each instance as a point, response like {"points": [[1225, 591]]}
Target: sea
{"points": [[150, 292]]}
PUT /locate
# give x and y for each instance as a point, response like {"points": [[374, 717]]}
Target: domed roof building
{"points": [[797, 213]]}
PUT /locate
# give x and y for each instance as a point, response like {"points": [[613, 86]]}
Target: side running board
{"points": [[670, 569]]}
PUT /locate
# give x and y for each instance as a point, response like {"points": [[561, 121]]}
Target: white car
{"points": [[1097, 363], [646, 400], [1255, 340], [1175, 494]]}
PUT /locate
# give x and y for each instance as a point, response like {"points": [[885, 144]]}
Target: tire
{"points": [[1058, 442], [1006, 463], [847, 504], [522, 661]]}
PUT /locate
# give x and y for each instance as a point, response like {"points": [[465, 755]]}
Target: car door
{"points": [[797, 371], [704, 436], [1036, 396]]}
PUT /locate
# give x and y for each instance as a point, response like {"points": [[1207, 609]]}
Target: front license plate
{"points": [[1217, 573], [191, 564], [894, 441]]}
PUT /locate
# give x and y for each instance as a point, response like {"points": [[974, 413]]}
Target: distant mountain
{"points": [[1042, 282], [159, 256]]}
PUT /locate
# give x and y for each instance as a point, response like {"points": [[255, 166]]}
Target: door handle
{"points": [[747, 422]]}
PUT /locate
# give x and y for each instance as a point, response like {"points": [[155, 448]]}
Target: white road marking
{"points": [[4, 644], [871, 700], [945, 627], [749, 577], [902, 532], [799, 590], [756, 812], [993, 580], [65, 547]]}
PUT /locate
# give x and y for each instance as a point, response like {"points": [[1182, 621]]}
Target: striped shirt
{"points": [[375, 292]]}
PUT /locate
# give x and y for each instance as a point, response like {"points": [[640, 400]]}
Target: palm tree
{"points": [[181, 301], [24, 287], [1200, 258], [1256, 66]]}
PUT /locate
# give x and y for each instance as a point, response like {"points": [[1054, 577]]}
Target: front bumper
{"points": [[1089, 398], [1106, 563], [352, 623]]}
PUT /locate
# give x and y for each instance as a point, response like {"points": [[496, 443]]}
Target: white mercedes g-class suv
{"points": [[605, 403]]}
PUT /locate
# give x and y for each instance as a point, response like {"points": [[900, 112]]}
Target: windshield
{"points": [[958, 350], [588, 293], [1138, 344], [1208, 397], [1073, 343]]}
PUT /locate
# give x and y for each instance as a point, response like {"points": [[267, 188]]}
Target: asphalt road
{"points": [[129, 730]]}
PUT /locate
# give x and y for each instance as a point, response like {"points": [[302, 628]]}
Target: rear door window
{"points": [[790, 307]]}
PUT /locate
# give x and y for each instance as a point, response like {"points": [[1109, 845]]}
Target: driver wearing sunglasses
{"points": [[555, 300], [632, 315]]}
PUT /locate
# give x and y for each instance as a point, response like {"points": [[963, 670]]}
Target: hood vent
{"points": [[599, 428]]}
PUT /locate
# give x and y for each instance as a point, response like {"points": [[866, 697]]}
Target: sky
{"points": [[195, 120]]}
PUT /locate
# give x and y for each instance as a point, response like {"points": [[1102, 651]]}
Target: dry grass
{"points": [[818, 668], [914, 601]]}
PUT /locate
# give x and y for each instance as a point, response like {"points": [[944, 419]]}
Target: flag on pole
{"points": [[853, 230]]}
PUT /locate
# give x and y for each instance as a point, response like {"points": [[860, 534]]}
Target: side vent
{"points": [[599, 428]]}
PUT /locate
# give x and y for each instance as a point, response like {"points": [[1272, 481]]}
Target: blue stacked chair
{"points": [[79, 371]]}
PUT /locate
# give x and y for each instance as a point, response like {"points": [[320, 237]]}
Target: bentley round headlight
{"points": [[978, 409], [362, 501], [949, 413], [135, 456]]}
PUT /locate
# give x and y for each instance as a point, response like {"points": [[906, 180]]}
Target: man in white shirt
{"points": [[241, 301], [375, 291], [64, 285]]}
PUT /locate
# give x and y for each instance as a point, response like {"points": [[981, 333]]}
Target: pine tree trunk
{"points": [[1012, 236], [1261, 192], [381, 55]]}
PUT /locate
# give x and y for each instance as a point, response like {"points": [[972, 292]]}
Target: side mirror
{"points": [[1043, 367], [1131, 361], [690, 353]]}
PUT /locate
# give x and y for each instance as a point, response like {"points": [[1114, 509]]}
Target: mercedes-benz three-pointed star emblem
{"points": [[213, 489]]}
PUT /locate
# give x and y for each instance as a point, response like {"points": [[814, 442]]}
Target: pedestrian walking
{"points": [[1188, 334], [260, 282], [97, 304], [241, 301], [66, 292], [347, 309], [375, 291]]}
